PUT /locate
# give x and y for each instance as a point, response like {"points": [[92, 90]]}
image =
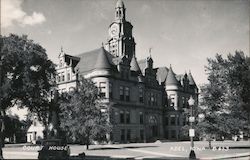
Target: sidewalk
{"points": [[17, 145], [240, 155], [147, 151]]}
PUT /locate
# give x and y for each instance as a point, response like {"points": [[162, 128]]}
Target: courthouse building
{"points": [[147, 103]]}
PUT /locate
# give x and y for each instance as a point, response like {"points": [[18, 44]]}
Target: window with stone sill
{"points": [[58, 78], [68, 76], [142, 134], [110, 90], [172, 99], [63, 77], [172, 120], [141, 95], [166, 121], [128, 135], [127, 117], [122, 134], [121, 117], [173, 134], [121, 91], [149, 99], [127, 94], [178, 120], [141, 118]]}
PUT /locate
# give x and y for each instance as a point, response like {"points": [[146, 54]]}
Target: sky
{"points": [[183, 33]]}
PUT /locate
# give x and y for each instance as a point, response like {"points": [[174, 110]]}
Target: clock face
{"points": [[114, 30]]}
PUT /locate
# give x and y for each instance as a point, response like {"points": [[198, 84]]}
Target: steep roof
{"points": [[134, 66], [102, 60], [171, 79], [95, 59], [191, 79]]}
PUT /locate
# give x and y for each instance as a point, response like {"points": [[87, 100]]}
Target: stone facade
{"points": [[147, 103]]}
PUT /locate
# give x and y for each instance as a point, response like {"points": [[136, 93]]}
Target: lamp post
{"points": [[191, 102]]}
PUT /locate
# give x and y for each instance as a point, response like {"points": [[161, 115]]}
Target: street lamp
{"points": [[191, 102]]}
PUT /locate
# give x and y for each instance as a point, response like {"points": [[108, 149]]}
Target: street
{"points": [[157, 150]]}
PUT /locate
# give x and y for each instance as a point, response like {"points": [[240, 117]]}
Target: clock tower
{"points": [[120, 40]]}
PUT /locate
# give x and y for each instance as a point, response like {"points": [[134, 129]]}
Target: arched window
{"points": [[71, 89], [152, 120]]}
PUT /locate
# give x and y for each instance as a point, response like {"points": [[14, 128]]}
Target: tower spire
{"points": [[120, 10]]}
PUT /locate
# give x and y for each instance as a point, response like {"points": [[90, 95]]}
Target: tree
{"points": [[225, 101], [82, 115], [26, 76], [16, 129]]}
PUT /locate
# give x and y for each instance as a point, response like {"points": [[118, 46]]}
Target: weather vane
{"points": [[150, 50], [61, 48]]}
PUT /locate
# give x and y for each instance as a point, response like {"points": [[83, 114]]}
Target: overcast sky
{"points": [[181, 32]]}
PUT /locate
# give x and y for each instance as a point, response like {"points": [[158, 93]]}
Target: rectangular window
{"points": [[172, 98], [140, 95], [127, 92], [121, 93], [142, 134], [149, 99], [128, 134], [172, 119], [68, 76], [157, 99], [178, 120], [152, 98], [166, 121], [127, 117], [59, 78], [166, 134], [102, 89], [183, 102], [173, 134], [141, 118], [63, 77], [122, 134], [110, 90], [121, 117]]}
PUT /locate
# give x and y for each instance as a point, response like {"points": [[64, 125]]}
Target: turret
{"points": [[102, 60], [171, 82]]}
